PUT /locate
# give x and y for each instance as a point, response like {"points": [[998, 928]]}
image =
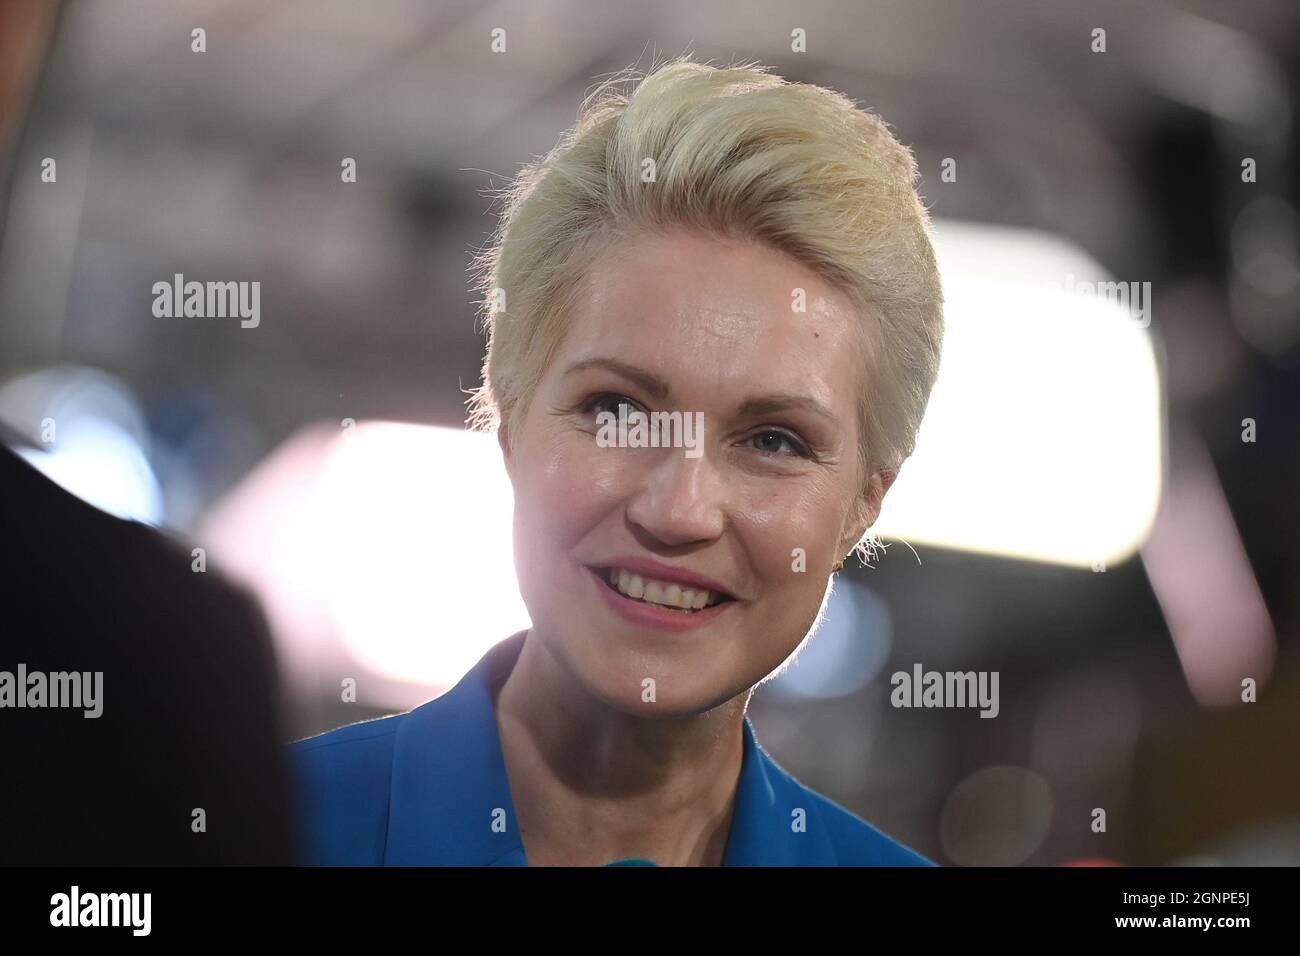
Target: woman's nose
{"points": [[680, 500]]}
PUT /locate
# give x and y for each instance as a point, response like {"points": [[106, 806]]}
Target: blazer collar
{"points": [[450, 804]]}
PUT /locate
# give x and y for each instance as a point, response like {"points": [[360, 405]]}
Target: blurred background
{"points": [[1103, 506]]}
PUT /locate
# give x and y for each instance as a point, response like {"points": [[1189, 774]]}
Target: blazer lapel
{"points": [[450, 804], [773, 823], [449, 799]]}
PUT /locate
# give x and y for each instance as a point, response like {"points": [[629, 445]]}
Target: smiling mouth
{"points": [[664, 594]]}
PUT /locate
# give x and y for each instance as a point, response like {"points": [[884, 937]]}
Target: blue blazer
{"points": [[429, 788]]}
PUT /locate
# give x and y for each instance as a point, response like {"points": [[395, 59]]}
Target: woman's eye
{"points": [[609, 403], [772, 443]]}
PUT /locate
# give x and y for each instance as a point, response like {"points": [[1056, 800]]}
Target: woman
{"points": [[714, 323]]}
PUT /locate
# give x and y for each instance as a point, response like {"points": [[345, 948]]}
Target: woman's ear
{"points": [[866, 508], [503, 440], [875, 493]]}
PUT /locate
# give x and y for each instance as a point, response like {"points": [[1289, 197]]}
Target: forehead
{"points": [[713, 315]]}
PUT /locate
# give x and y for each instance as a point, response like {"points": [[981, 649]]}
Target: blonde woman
{"points": [[714, 323]]}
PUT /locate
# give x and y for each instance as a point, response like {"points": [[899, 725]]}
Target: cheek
{"points": [[565, 485], [803, 515]]}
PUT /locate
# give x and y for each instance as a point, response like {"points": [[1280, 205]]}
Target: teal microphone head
{"points": [[633, 861]]}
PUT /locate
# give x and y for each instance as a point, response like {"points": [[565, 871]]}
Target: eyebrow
{"points": [[750, 408], [652, 383], [784, 402]]}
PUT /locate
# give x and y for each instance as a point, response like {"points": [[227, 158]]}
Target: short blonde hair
{"points": [[736, 151]]}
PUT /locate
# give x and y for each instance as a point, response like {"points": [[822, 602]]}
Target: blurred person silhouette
{"points": [[172, 756]]}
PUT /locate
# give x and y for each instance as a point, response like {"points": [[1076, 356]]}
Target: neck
{"points": [[592, 783]]}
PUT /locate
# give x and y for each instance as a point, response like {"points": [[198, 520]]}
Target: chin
{"points": [[613, 668]]}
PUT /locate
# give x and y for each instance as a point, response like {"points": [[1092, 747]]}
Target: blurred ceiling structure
{"points": [[228, 161]]}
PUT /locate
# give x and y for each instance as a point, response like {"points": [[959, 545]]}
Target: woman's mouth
{"points": [[666, 594]]}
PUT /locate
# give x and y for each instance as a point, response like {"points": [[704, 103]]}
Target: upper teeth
{"points": [[660, 592]]}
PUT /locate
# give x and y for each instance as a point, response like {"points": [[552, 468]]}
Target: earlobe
{"points": [[867, 508], [503, 441], [883, 480], [880, 483]]}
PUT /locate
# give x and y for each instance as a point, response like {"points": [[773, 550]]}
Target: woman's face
{"points": [[761, 507]]}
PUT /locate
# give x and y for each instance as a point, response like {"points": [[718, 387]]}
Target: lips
{"points": [[661, 592], [646, 614], [666, 575]]}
